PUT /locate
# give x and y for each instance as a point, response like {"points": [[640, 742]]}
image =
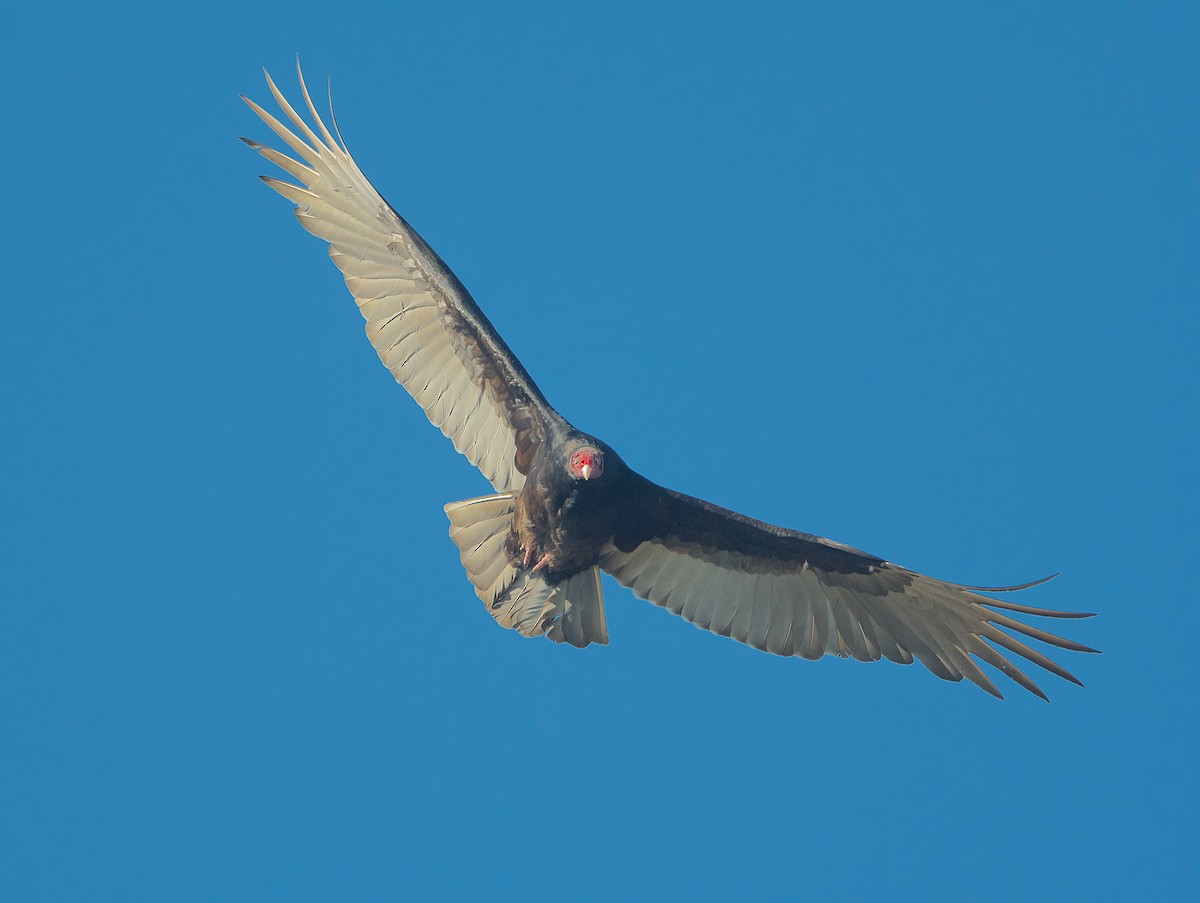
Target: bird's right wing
{"points": [[422, 321]]}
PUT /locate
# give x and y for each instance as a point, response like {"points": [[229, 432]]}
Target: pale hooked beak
{"points": [[586, 470]]}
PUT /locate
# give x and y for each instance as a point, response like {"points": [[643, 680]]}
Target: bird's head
{"points": [[586, 463]]}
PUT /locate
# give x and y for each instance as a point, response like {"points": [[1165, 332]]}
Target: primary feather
{"points": [[534, 550]]}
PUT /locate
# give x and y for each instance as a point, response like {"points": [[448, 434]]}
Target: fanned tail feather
{"points": [[571, 611]]}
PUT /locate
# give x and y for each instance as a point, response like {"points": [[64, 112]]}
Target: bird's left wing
{"points": [[793, 594], [423, 322]]}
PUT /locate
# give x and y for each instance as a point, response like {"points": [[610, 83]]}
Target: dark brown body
{"points": [[564, 521]]}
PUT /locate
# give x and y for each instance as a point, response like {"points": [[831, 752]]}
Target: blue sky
{"points": [[921, 278]]}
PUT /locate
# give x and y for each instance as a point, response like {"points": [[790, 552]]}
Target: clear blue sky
{"points": [[922, 278]]}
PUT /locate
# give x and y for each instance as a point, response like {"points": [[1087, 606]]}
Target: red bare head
{"points": [[586, 463]]}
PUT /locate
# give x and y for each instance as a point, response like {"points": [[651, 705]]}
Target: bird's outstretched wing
{"points": [[423, 323], [791, 593]]}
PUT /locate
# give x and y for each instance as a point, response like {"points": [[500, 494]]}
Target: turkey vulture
{"points": [[566, 506]]}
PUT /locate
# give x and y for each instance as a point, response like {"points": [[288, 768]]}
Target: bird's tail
{"points": [[571, 611]]}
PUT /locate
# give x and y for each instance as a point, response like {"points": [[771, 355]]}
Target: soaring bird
{"points": [[566, 506]]}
